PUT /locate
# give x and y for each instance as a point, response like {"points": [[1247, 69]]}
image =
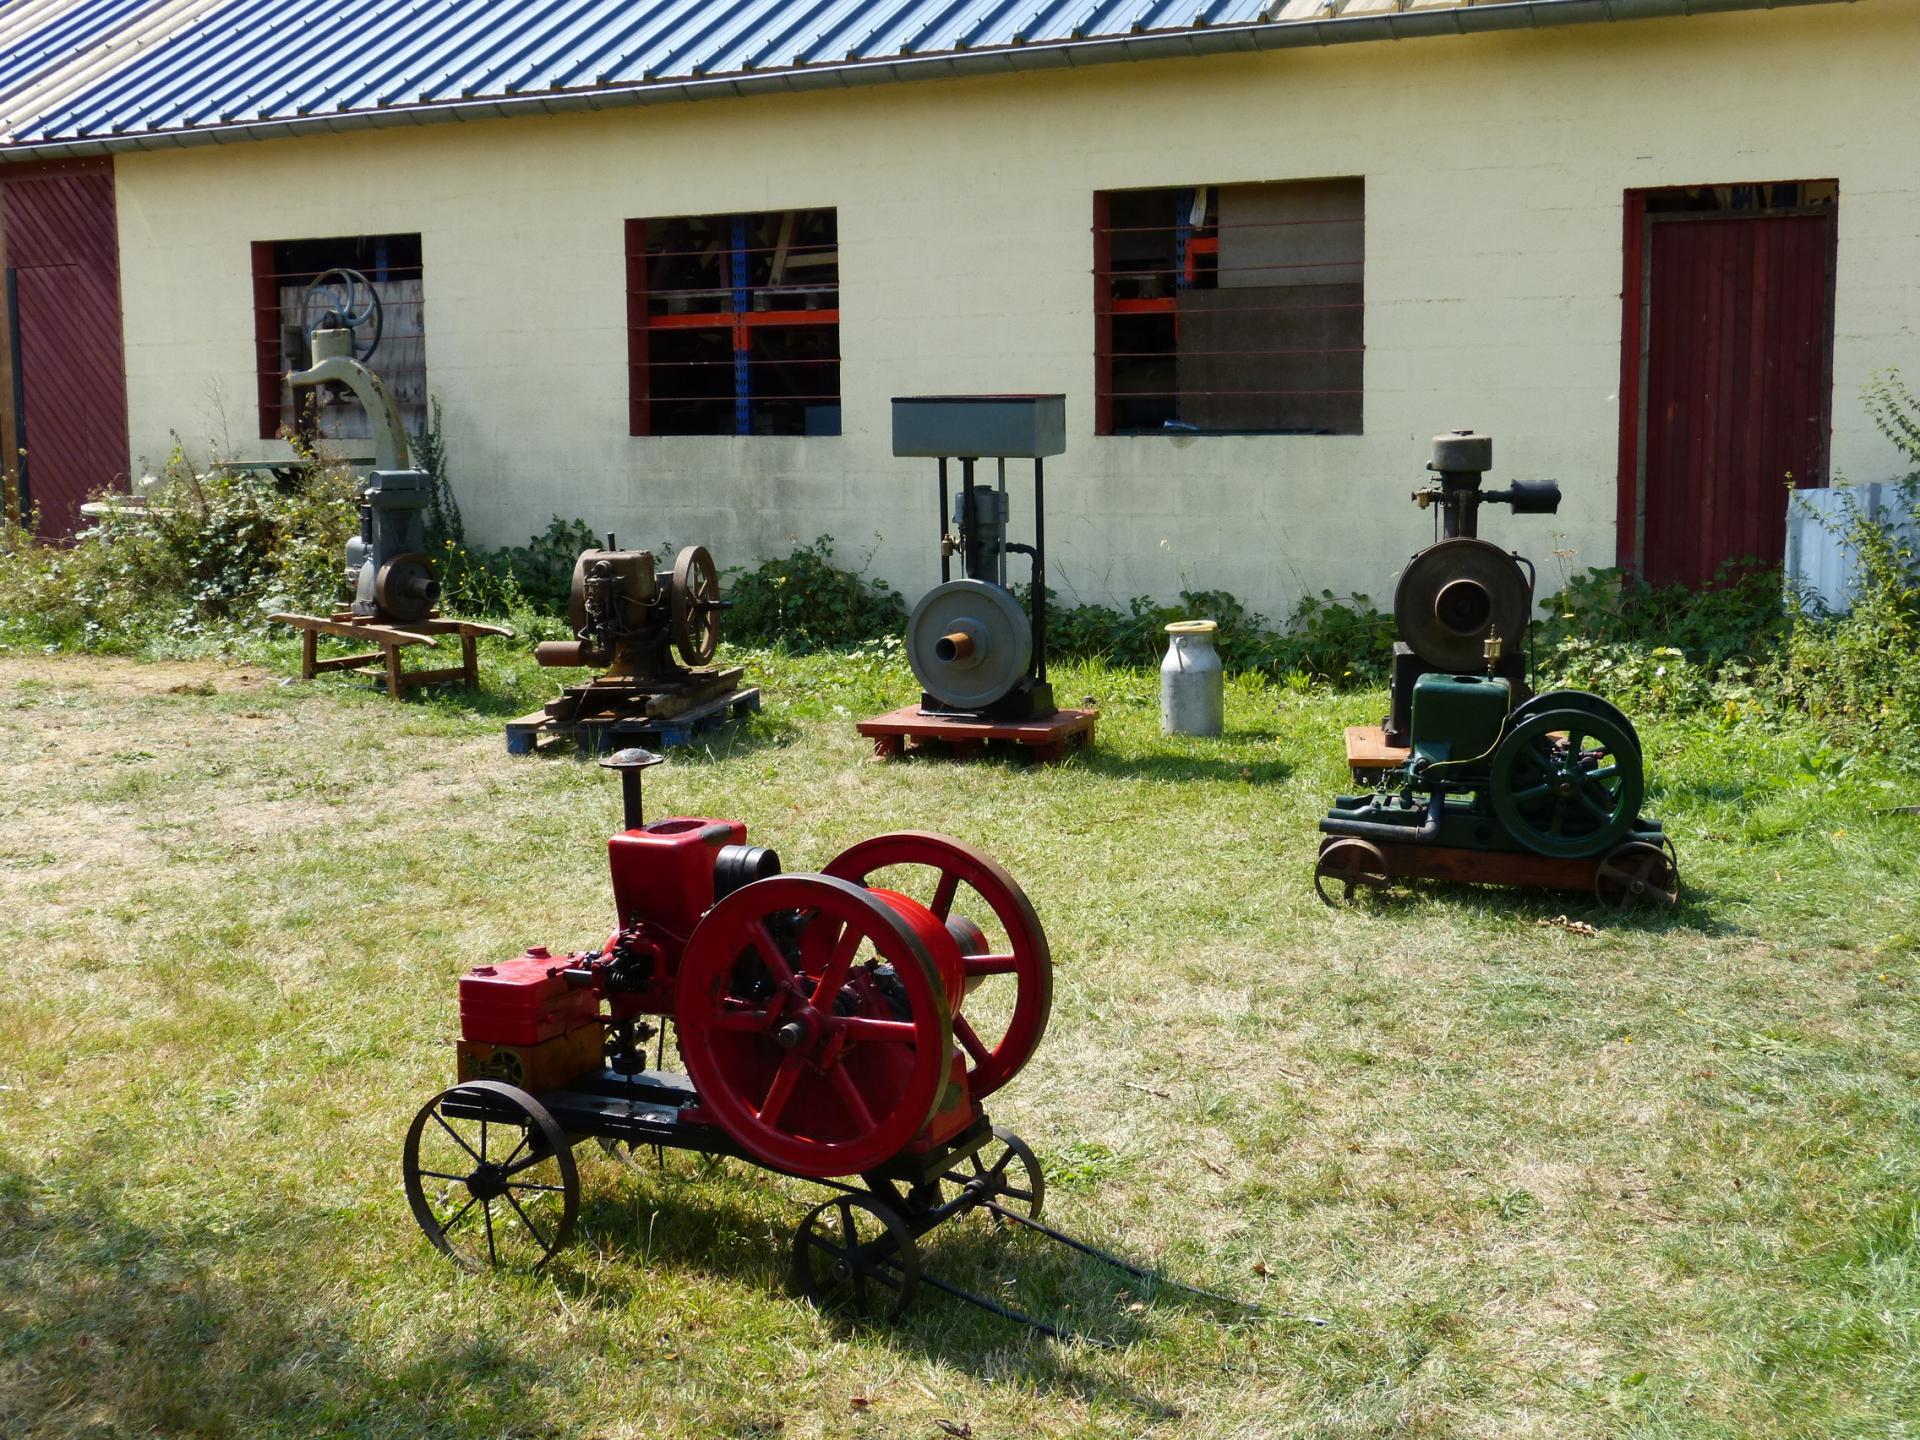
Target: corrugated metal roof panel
{"points": [[49, 49], [276, 66]]}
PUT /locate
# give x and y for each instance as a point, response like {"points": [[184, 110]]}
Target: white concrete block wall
{"points": [[1495, 168]]}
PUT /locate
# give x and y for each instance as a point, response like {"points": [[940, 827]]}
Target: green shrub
{"points": [[219, 548], [1341, 642], [805, 602]]}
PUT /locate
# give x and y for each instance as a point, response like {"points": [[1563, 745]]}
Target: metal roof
{"points": [[49, 49], [254, 68]]}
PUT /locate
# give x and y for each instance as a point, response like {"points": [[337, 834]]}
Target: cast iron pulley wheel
{"points": [[1567, 783], [1348, 865], [853, 1252], [969, 643], [1010, 1177], [1583, 700], [1000, 1037], [490, 1176], [405, 587], [814, 1024], [696, 605], [1638, 873], [342, 299]]}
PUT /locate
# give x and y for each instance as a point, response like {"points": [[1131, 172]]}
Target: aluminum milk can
{"points": [[1192, 689]]}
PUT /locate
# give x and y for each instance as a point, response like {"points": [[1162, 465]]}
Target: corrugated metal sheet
{"points": [[50, 49], [261, 67], [63, 250], [1823, 565], [1738, 384]]}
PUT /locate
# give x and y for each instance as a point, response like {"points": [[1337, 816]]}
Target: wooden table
{"points": [[390, 640]]}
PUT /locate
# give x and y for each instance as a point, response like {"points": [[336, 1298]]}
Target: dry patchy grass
{"points": [[1489, 1176]]}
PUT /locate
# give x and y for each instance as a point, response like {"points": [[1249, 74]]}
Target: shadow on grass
{"points": [[1137, 765], [113, 1326], [715, 1221], [1696, 915]]}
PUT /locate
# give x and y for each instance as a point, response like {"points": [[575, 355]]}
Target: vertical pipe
{"points": [[1000, 546], [969, 558], [946, 560], [1040, 568]]}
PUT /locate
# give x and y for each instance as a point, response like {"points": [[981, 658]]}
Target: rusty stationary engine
{"points": [[651, 636]]}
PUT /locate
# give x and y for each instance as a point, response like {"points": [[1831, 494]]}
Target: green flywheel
{"points": [[1568, 782]]}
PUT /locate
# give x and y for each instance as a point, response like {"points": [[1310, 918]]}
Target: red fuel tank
{"points": [[517, 1002]]}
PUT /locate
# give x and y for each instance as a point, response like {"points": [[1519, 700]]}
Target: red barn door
{"points": [[63, 271], [1735, 310]]}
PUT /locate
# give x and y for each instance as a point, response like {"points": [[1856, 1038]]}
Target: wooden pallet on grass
{"points": [[908, 729], [601, 731]]}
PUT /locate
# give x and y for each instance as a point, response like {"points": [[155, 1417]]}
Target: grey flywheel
{"points": [[969, 643]]}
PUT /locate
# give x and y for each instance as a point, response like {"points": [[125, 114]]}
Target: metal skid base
{"points": [[1641, 870], [600, 717], [858, 1249], [911, 728]]}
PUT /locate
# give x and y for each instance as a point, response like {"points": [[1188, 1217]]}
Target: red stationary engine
{"points": [[820, 1016]]}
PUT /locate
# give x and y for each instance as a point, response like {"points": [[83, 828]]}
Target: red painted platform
{"points": [[1048, 739]]}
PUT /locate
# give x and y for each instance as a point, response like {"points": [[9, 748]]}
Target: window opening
{"points": [[734, 324], [1231, 308], [282, 271]]}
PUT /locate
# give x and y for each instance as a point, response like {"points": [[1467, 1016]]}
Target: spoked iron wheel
{"points": [[1638, 873], [1005, 1017], [1012, 1174], [695, 619], [490, 1176], [814, 1024], [1347, 866], [1567, 783], [852, 1252]]}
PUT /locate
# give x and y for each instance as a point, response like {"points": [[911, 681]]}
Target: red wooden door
{"points": [[1738, 382], [63, 252]]}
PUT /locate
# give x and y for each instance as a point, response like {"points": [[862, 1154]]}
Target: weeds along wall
{"points": [[1494, 169]]}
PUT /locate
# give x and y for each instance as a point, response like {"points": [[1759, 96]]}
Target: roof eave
{"points": [[1101, 50]]}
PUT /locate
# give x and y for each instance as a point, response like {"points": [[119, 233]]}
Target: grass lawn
{"points": [[1488, 1175]]}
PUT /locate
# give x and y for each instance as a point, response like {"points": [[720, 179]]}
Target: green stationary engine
{"points": [[1475, 777]]}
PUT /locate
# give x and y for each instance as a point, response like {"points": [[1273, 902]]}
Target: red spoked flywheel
{"points": [[814, 1024], [1005, 1028]]}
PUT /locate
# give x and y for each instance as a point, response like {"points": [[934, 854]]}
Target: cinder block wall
{"points": [[1494, 167]]}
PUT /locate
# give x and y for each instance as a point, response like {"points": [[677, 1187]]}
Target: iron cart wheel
{"points": [[695, 618], [1638, 873], [1348, 865], [1012, 1177], [853, 1253], [490, 1176], [1584, 700], [995, 1057], [1567, 783]]}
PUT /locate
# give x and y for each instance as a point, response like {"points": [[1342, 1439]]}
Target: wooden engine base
{"points": [[1045, 740], [619, 709]]}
